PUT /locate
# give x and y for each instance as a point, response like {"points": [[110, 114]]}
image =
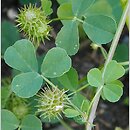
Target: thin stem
{"points": [[99, 90], [103, 52], [63, 18], [124, 63], [65, 125], [49, 82], [109, 58], [80, 89], [127, 70], [66, 18]]}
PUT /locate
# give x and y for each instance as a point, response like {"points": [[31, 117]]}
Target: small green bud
{"points": [[33, 22], [18, 106], [51, 103], [20, 111]]}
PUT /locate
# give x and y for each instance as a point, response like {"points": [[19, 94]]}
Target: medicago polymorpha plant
{"points": [[56, 85]]}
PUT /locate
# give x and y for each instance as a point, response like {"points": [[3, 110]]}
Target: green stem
{"points": [[80, 89], [109, 58], [49, 82], [99, 90], [127, 70], [124, 63], [66, 18], [65, 125], [63, 18], [103, 52]]}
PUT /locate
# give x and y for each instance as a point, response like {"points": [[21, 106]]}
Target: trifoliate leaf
{"points": [[26, 84], [113, 71], [8, 120], [21, 56], [55, 63], [112, 92], [99, 28], [68, 38], [31, 122], [95, 77]]}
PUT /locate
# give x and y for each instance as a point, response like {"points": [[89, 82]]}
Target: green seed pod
{"points": [[52, 102], [33, 22]]}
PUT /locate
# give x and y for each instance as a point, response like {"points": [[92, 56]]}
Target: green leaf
{"points": [[95, 77], [79, 120], [120, 51], [23, 2], [70, 113], [5, 94], [68, 38], [79, 7], [8, 120], [112, 92], [31, 122], [117, 82], [100, 28], [116, 9], [65, 11], [46, 7], [9, 34], [81, 102], [21, 56], [26, 85], [55, 63], [63, 1], [113, 71], [69, 80], [100, 7]]}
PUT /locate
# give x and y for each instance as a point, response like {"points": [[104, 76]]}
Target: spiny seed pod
{"points": [[52, 102], [32, 21]]}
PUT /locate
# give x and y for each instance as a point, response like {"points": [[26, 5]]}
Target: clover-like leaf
{"points": [[65, 11], [79, 7], [112, 92], [21, 56], [100, 7], [95, 77], [9, 34], [55, 63], [100, 28], [31, 122], [70, 113], [26, 85], [46, 7], [113, 71], [121, 49], [68, 38], [69, 80], [8, 120]]}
